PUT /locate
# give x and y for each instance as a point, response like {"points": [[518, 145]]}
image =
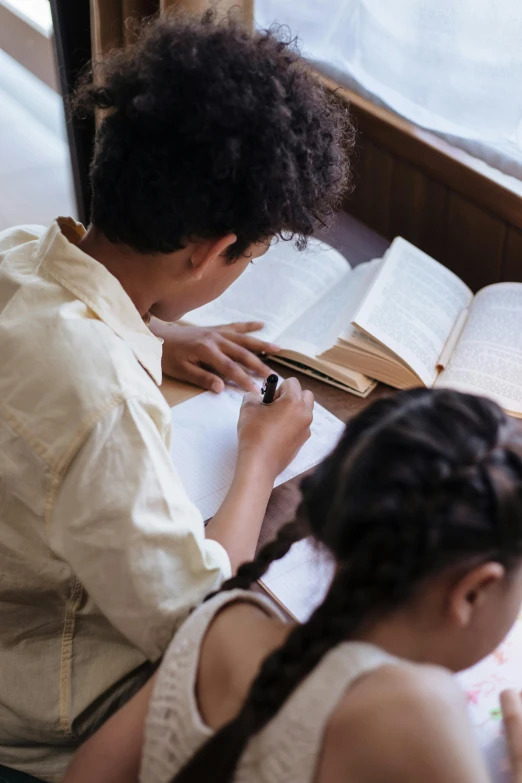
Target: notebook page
{"points": [[276, 288], [204, 446], [300, 580], [412, 307]]}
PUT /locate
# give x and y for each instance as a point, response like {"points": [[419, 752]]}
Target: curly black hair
{"points": [[212, 130]]}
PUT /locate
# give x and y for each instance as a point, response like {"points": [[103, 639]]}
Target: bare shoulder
{"points": [[394, 696], [399, 723], [238, 630], [406, 684], [237, 641]]}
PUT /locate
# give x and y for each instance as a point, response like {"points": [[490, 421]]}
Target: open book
{"points": [[305, 299], [419, 324]]}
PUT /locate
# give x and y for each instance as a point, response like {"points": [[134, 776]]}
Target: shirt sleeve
{"points": [[123, 522]]}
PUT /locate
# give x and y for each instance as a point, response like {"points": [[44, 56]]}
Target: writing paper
{"points": [[204, 446]]}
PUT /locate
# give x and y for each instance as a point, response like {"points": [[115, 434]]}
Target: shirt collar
{"points": [[90, 282]]}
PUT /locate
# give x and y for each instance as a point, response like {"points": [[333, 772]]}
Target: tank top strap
{"points": [[174, 725]]}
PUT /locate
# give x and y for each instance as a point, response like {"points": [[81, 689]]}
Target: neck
{"points": [[138, 273], [408, 635]]}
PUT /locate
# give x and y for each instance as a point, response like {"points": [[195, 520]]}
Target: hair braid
{"points": [[419, 481], [280, 674], [248, 573], [355, 590], [501, 470]]}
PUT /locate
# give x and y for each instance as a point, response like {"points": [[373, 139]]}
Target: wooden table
{"points": [[358, 244]]}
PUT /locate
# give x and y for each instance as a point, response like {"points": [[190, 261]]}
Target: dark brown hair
{"points": [[419, 481], [211, 130]]}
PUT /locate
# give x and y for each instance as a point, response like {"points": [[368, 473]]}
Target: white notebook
{"points": [[204, 446]]}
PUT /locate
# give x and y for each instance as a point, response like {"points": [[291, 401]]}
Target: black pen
{"points": [[269, 389]]}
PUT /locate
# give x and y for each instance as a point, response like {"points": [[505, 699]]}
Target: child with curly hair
{"points": [[212, 142]]}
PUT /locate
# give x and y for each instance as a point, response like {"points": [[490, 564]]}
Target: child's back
{"points": [[357, 710], [420, 505]]}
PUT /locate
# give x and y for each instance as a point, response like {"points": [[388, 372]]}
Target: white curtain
{"points": [[453, 66]]}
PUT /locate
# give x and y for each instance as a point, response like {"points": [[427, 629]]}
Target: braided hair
{"points": [[419, 481]]}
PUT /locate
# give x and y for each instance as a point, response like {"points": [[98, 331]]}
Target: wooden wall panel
{"points": [[437, 159], [512, 261], [475, 241], [409, 182], [395, 198], [370, 200], [357, 202], [371, 172], [418, 209]]}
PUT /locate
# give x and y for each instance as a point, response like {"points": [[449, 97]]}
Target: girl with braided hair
{"points": [[420, 505]]}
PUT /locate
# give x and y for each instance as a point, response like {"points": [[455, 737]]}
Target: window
{"points": [[451, 66], [26, 35], [35, 172]]}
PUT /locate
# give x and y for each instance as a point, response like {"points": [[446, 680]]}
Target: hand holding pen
{"points": [[271, 433]]}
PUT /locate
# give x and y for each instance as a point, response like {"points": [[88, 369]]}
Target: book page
{"points": [[412, 307], [488, 356], [318, 327], [356, 338], [300, 580], [276, 288], [204, 446]]}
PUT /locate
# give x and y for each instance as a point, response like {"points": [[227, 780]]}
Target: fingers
{"points": [[253, 344], [290, 389], [226, 367], [246, 358], [308, 398], [193, 373], [511, 704], [252, 398], [238, 335], [243, 326]]}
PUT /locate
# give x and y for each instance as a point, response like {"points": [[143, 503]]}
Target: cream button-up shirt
{"points": [[101, 552]]}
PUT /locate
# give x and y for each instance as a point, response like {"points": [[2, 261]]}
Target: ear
{"points": [[472, 592], [206, 252]]}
